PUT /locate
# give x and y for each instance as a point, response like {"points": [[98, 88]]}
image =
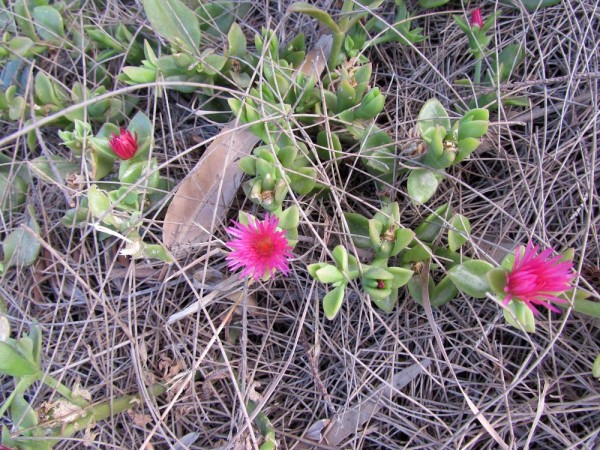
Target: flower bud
{"points": [[477, 18], [125, 145]]}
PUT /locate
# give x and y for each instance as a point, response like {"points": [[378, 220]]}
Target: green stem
{"points": [[104, 410], [64, 391], [336, 48], [380, 261], [477, 76]]}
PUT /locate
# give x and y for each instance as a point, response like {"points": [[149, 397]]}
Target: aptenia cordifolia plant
{"points": [[306, 121]]}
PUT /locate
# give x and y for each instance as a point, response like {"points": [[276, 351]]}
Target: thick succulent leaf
{"points": [[174, 20], [432, 113], [458, 234], [421, 185], [332, 302], [470, 277], [22, 247]]}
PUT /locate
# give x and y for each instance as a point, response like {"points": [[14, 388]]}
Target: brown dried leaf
{"points": [[168, 368], [65, 412], [78, 391], [89, 436], [139, 419], [205, 194], [203, 198]]}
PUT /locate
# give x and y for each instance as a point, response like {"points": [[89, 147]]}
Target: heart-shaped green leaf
{"points": [[332, 302], [458, 234], [21, 247], [14, 364], [432, 113], [470, 277], [175, 21], [421, 185]]}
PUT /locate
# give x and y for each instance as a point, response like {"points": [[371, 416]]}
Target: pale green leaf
{"points": [[421, 185], [21, 247], [332, 302], [49, 22], [432, 113], [458, 234], [174, 20], [56, 171], [470, 277]]}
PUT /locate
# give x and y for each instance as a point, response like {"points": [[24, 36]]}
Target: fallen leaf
{"points": [[204, 196], [82, 393], [89, 436], [168, 368], [139, 419], [66, 412]]}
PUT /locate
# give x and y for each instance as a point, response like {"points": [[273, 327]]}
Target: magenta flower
{"points": [[476, 18], [125, 145], [259, 247], [538, 279]]}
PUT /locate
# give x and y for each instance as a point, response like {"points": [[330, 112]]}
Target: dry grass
{"points": [[104, 317]]}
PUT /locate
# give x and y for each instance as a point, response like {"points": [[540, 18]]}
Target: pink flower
{"points": [[476, 18], [125, 145], [259, 247], [537, 279]]}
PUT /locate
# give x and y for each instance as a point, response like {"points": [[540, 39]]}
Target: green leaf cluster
{"points": [[479, 40], [401, 30], [275, 170], [35, 27], [125, 193], [387, 238], [351, 13], [346, 268], [446, 145]]}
